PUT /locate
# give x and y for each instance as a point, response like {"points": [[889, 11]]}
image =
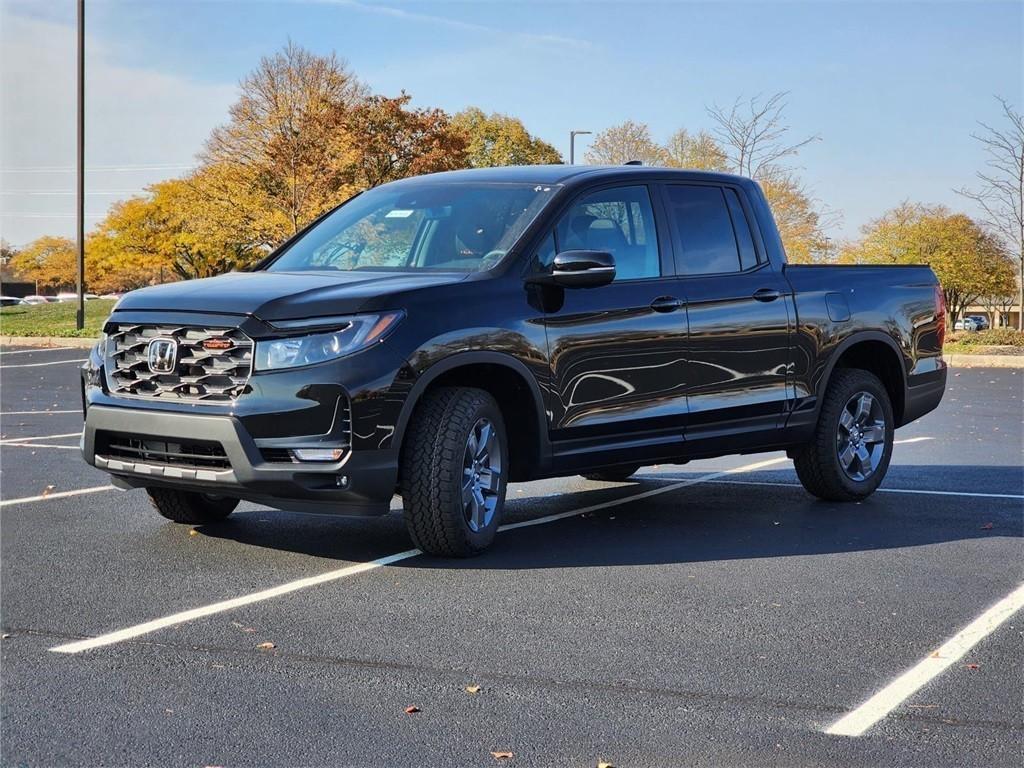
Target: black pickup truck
{"points": [[441, 336]]}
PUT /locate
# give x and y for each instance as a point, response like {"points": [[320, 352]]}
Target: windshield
{"points": [[431, 225]]}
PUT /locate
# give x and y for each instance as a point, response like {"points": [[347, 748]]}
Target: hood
{"points": [[273, 296]]}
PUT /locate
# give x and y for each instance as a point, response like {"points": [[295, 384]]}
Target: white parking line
{"points": [[39, 445], [37, 365], [909, 440], [40, 349], [58, 495], [293, 586], [38, 437], [38, 413], [899, 690], [921, 491]]}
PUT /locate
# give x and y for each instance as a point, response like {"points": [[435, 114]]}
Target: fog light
{"points": [[318, 454]]}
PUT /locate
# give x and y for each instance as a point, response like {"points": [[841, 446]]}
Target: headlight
{"points": [[351, 334]]}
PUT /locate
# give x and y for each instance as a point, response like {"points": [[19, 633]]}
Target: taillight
{"points": [[940, 315]]}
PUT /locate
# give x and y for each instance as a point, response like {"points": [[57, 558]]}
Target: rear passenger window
{"points": [[706, 241]]}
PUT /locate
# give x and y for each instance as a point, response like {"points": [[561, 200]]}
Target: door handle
{"points": [[666, 304], [767, 294]]}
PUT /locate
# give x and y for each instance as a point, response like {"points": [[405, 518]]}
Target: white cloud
{"points": [[134, 117]]}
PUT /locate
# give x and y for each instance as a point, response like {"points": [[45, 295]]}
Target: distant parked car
{"points": [[37, 299], [981, 321], [970, 324], [11, 301], [111, 295], [70, 296]]}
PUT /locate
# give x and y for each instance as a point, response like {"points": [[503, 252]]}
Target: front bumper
{"points": [[362, 483]]}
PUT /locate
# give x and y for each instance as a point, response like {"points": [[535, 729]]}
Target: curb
{"points": [[984, 361], [47, 341]]}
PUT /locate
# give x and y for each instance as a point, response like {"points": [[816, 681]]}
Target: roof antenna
{"points": [[634, 162]]}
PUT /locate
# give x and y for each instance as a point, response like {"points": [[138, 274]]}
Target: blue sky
{"points": [[894, 89]]}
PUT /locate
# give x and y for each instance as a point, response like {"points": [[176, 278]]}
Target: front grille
{"points": [[211, 365], [192, 454]]}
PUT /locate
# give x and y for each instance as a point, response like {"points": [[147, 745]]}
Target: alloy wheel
{"points": [[481, 475], [860, 438]]}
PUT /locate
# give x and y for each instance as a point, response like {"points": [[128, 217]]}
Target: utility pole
{"points": [[80, 171], [572, 144]]}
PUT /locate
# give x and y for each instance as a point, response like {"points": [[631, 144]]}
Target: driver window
{"points": [[619, 221]]}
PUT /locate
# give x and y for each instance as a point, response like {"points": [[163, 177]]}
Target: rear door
{"points": [[617, 353], [739, 308]]}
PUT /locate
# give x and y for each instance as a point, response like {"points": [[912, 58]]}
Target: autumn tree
{"points": [[50, 262], [965, 257], [285, 144], [698, 151], [498, 139], [755, 138], [622, 143], [7, 252], [395, 141], [1000, 187]]}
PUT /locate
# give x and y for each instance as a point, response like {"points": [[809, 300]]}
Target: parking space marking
{"points": [[36, 365], [37, 413], [351, 570], [899, 690], [40, 445], [34, 351], [57, 495], [920, 491], [39, 437], [909, 440]]}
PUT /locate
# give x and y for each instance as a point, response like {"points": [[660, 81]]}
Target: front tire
{"points": [[454, 471], [848, 456], [190, 507]]}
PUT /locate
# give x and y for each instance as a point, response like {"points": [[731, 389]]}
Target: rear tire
{"points": [[454, 471], [848, 456], [612, 475], [190, 507]]}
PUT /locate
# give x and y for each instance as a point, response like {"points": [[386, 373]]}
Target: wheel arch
{"points": [[504, 377], [879, 354]]}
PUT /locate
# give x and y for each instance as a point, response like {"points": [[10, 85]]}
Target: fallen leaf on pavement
{"points": [[266, 646], [472, 689], [193, 532], [502, 755], [972, 666], [987, 527], [48, 490], [603, 764], [412, 710]]}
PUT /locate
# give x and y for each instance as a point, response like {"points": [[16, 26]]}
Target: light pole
{"points": [[572, 144], [80, 170]]}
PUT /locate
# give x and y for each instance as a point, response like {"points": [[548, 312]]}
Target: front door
{"points": [[739, 309], [617, 353]]}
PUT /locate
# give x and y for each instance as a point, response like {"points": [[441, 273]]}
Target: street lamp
{"points": [[572, 144], [80, 170]]}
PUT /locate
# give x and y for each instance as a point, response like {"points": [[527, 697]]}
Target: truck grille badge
{"points": [[162, 355]]}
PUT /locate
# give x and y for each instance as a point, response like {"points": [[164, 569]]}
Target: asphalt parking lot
{"points": [[707, 614]]}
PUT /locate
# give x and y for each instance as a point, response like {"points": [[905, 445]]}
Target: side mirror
{"points": [[578, 269]]}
